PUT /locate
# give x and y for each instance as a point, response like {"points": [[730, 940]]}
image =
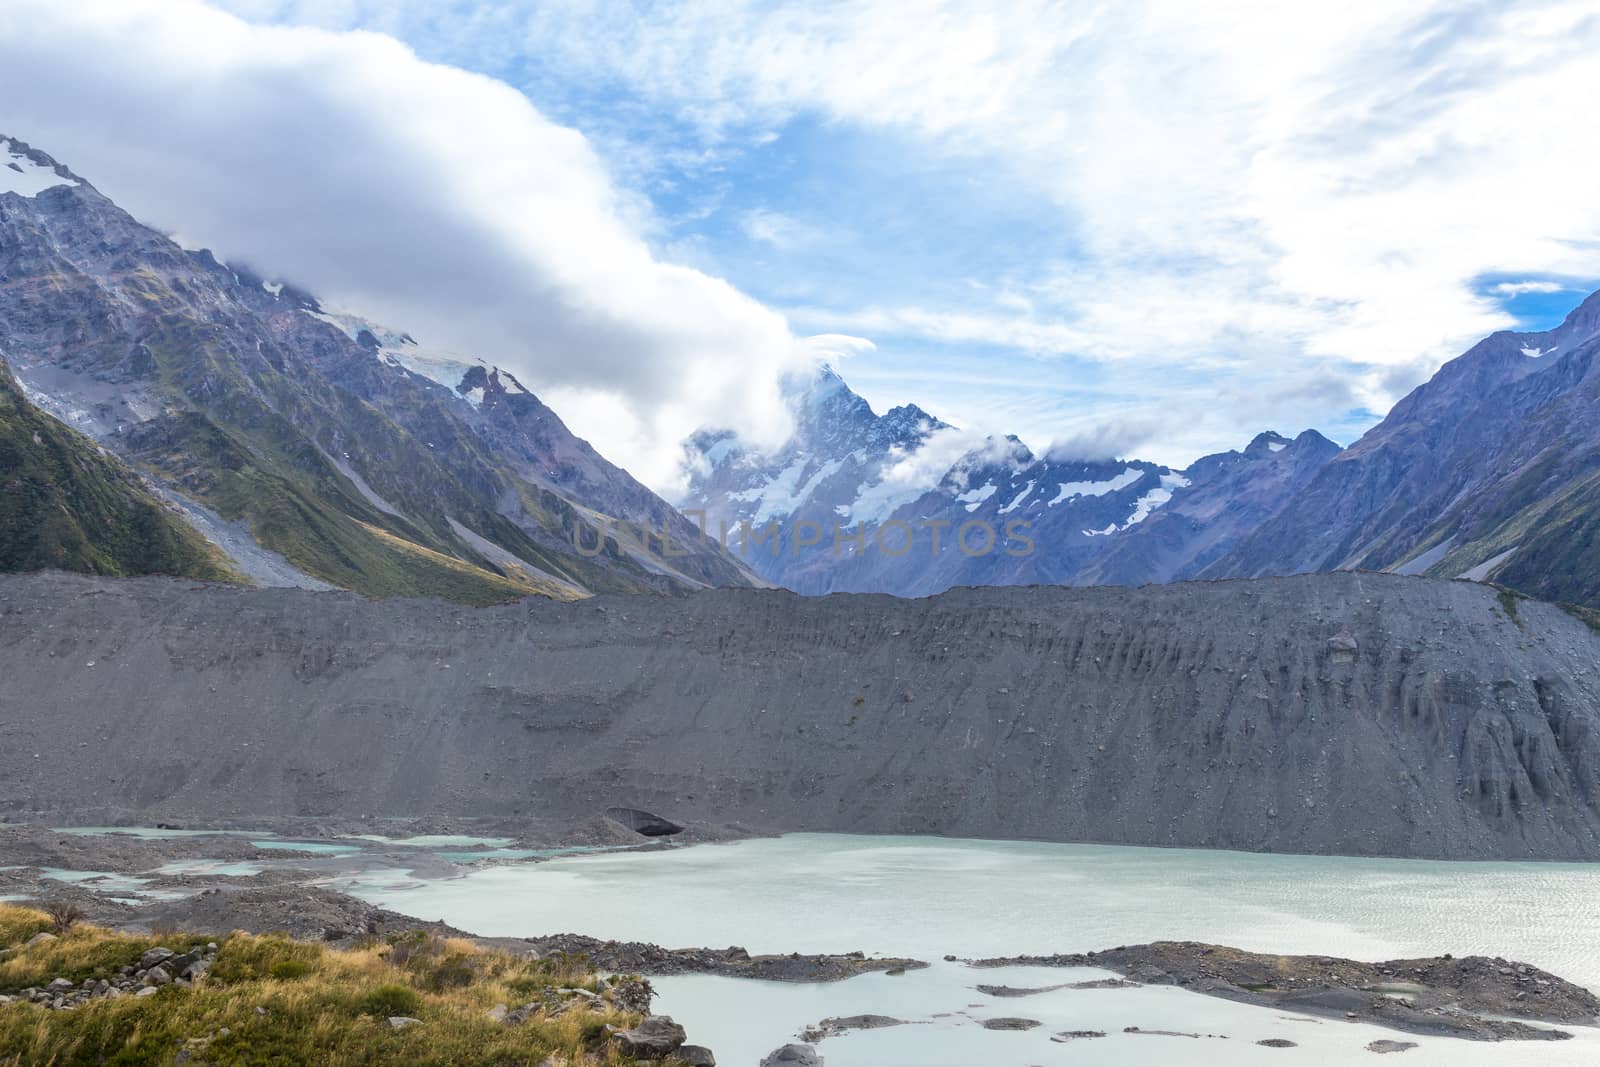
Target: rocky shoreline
{"points": [[1471, 997]]}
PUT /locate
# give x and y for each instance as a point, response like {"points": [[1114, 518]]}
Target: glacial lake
{"points": [[928, 897]]}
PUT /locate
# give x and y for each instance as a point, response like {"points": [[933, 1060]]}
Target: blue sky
{"points": [[1155, 228]]}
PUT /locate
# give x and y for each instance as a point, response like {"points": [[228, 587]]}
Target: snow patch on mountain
{"points": [[1018, 500], [21, 175], [1068, 490], [972, 498], [399, 348], [1145, 505]]}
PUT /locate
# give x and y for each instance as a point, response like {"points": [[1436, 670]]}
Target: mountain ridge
{"points": [[1490, 470], [241, 401]]}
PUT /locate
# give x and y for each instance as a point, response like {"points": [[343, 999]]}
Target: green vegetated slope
{"points": [[66, 505], [270, 1000]]}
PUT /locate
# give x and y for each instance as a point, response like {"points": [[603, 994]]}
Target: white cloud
{"points": [[1329, 183], [778, 230], [427, 197], [1519, 288]]}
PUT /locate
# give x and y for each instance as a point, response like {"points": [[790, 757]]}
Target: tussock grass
{"points": [[317, 1004]]}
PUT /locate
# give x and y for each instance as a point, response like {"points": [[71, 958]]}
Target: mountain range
{"points": [[1489, 471], [905, 503], [172, 413]]}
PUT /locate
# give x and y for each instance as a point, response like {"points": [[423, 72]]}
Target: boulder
{"points": [[400, 1022], [148, 991], [155, 956], [656, 1038], [39, 939], [1010, 1024], [793, 1056], [695, 1056]]}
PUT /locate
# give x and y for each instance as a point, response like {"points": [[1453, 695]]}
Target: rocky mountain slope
{"points": [[988, 513], [1491, 470], [1340, 713], [305, 446], [65, 505]]}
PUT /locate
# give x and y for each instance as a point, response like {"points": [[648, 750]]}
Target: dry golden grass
{"points": [[321, 1005]]}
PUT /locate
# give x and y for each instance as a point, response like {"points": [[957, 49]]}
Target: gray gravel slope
{"points": [[1229, 714]]}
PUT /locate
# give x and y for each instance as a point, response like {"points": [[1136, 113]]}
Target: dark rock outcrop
{"points": [[1472, 997], [643, 822]]}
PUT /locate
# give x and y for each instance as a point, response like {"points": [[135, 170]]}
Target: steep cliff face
{"points": [[1341, 713]]}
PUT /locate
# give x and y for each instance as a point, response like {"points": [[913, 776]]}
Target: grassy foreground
{"points": [[272, 1000]]}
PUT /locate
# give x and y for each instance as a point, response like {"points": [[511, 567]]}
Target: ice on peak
{"points": [[973, 498], [21, 175], [1068, 490], [1017, 501]]}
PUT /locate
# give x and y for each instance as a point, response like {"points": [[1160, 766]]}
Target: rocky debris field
{"points": [[156, 968], [1347, 713], [729, 962], [1472, 997]]}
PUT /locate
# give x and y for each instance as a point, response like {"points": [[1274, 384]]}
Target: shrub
{"points": [[63, 913], [289, 970], [389, 1000]]}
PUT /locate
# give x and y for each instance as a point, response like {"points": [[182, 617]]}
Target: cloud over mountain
{"points": [[435, 199]]}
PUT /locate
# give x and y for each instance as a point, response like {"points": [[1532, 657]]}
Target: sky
{"points": [[1150, 229]]}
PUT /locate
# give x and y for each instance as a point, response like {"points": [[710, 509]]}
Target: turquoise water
{"points": [[510, 854], [220, 868], [925, 897], [153, 833], [438, 841], [329, 848], [96, 880]]}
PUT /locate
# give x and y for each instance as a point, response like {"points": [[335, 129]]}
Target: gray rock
{"points": [[157, 976], [1076, 1035], [793, 1056], [695, 1056], [1009, 1024], [655, 1038], [498, 1013], [148, 991], [59, 985], [155, 956], [400, 1022], [1385, 1045], [39, 939]]}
